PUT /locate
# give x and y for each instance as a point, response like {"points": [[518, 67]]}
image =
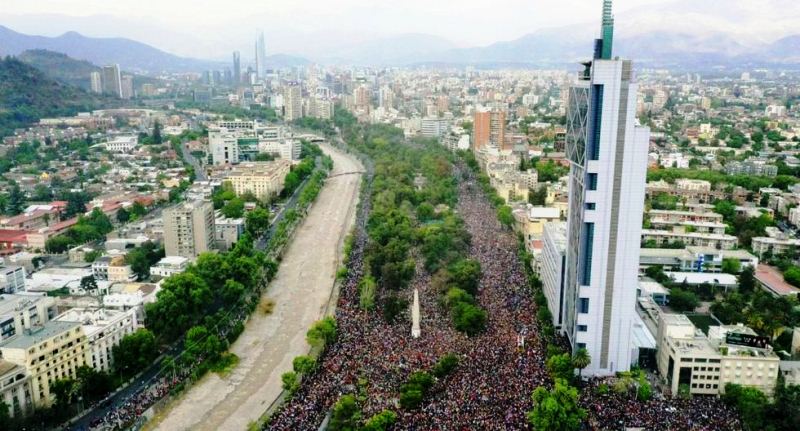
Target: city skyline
{"points": [[220, 30]]}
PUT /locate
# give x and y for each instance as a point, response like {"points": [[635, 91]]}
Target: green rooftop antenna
{"points": [[607, 31]]}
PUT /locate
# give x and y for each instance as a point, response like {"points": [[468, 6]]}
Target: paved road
{"points": [[199, 172], [269, 343]]}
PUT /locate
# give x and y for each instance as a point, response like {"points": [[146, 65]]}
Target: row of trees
{"points": [[413, 192]]}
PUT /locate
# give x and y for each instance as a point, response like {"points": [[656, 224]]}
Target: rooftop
{"points": [[703, 277], [28, 339], [773, 281]]}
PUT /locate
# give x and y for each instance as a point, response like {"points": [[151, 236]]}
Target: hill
{"points": [[70, 71], [60, 67], [130, 55], [27, 94]]}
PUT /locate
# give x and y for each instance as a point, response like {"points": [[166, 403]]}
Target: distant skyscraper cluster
{"points": [[110, 81]]}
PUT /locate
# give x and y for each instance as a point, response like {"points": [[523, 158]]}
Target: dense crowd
{"points": [[498, 371], [614, 411], [491, 387]]}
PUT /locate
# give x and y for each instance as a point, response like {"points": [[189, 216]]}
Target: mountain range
{"points": [[131, 55], [677, 47]]}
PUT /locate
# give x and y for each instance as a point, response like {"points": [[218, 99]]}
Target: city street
{"points": [[300, 291]]}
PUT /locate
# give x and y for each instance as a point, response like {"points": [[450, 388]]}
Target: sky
{"points": [[213, 28], [466, 22]]}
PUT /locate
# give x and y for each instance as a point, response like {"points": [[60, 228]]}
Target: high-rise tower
{"points": [[261, 56], [237, 69], [607, 151]]}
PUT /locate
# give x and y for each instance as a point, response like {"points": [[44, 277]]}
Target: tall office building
{"points": [[96, 82], [488, 128], [126, 87], [189, 229], [261, 56], [292, 102], [112, 82], [607, 151], [237, 69]]}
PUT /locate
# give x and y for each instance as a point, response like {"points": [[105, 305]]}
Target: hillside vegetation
{"points": [[26, 95]]}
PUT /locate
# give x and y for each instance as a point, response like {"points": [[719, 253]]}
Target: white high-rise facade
{"points": [[607, 150], [261, 56]]}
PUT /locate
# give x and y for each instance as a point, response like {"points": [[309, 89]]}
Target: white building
{"points": [[705, 364], [169, 266], [104, 329], [122, 144], [12, 279], [223, 144], [25, 311], [552, 264], [434, 127], [227, 231], [286, 149], [607, 150]]}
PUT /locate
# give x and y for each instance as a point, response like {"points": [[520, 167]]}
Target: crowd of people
{"points": [[491, 387], [616, 411], [498, 370]]}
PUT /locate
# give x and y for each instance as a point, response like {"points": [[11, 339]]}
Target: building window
{"points": [[596, 120], [581, 345], [591, 206], [583, 328], [588, 243], [583, 305], [592, 180]]}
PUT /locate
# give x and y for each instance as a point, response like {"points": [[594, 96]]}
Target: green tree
{"points": [[469, 319], [134, 352], [751, 404], [5, 414], [303, 364], [382, 421], [466, 274], [157, 138], [345, 415], [561, 367], [538, 197], [747, 280], [731, 266], [290, 382], [88, 283], [123, 216], [257, 222], [581, 359], [445, 365], [322, 332], [792, 275], [234, 208], [505, 216], [16, 200], [65, 392], [557, 409], [682, 300]]}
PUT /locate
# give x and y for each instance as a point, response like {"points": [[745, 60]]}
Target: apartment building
{"points": [[263, 179], [24, 311], [189, 229], [104, 329], [552, 265], [704, 239], [48, 353]]}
